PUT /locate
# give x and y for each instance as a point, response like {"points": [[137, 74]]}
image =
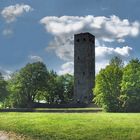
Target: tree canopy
{"points": [[107, 87], [118, 88], [35, 83], [3, 89], [26, 83], [130, 86]]}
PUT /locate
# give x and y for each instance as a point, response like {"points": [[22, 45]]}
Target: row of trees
{"points": [[35, 83], [118, 87]]}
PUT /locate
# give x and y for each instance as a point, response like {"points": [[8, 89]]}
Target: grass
{"points": [[73, 126]]}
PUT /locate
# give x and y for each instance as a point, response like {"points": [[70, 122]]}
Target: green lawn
{"points": [[73, 126]]}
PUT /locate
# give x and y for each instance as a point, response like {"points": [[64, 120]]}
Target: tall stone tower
{"points": [[84, 67]]}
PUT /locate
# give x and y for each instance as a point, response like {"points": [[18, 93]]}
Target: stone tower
{"points": [[84, 67]]}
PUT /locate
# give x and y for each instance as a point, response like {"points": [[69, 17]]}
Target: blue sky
{"points": [[42, 30]]}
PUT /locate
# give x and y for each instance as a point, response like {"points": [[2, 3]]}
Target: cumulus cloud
{"points": [[6, 73], [103, 52], [11, 12], [102, 57], [63, 47], [66, 68], [105, 29], [7, 32], [34, 58]]}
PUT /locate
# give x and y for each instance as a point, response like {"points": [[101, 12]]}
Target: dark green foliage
{"points": [[60, 89], [3, 89], [26, 84], [34, 83], [131, 86]]}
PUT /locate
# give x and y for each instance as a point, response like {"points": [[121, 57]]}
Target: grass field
{"points": [[73, 126]]}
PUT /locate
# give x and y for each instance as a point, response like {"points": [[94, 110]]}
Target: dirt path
{"points": [[11, 136]]}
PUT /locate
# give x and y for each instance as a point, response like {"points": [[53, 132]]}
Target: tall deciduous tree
{"points": [[131, 86], [3, 89], [27, 83], [107, 88]]}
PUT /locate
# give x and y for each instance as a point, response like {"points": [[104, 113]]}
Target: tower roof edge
{"points": [[85, 33]]}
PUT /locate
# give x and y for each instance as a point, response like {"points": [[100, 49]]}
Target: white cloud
{"points": [[100, 65], [34, 58], [6, 73], [66, 68], [103, 55], [7, 32], [11, 12], [105, 29], [63, 47], [103, 52]]}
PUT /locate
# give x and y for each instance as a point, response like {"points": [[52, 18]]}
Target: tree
{"points": [[3, 89], [15, 98], [107, 88], [65, 86], [69, 87], [26, 84], [49, 94], [60, 88], [130, 86]]}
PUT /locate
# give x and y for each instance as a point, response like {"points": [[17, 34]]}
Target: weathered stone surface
{"points": [[84, 67]]}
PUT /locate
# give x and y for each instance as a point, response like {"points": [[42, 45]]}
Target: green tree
{"points": [[69, 87], [14, 89], [65, 87], [26, 84], [49, 94], [107, 89], [130, 86], [60, 88], [3, 89]]}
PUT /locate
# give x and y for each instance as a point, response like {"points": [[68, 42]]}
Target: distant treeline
{"points": [[117, 87]]}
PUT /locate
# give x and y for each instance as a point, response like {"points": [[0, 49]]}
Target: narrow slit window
{"points": [[83, 73], [78, 58], [78, 40], [84, 39]]}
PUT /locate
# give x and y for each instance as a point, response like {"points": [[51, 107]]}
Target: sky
{"points": [[43, 30]]}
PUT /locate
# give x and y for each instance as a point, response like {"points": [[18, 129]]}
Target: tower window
{"points": [[83, 73], [78, 58], [84, 39], [78, 40], [91, 40]]}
